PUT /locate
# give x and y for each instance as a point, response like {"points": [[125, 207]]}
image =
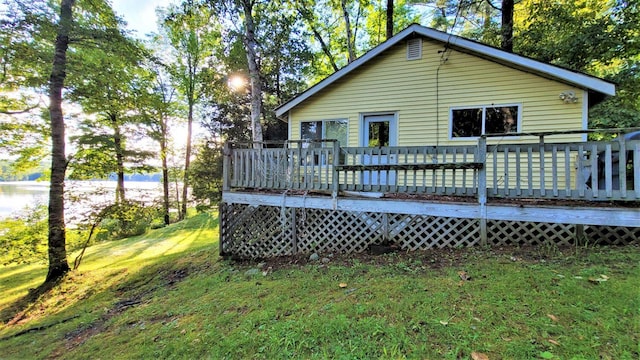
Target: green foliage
{"points": [[206, 175], [597, 37], [125, 219], [23, 238], [623, 110]]}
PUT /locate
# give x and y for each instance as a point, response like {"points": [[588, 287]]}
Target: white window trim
{"points": [[323, 162], [324, 129], [484, 112]]}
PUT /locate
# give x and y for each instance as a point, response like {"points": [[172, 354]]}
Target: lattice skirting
{"points": [[248, 231]]}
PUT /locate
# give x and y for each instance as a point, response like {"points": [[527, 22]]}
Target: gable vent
{"points": [[414, 49]]}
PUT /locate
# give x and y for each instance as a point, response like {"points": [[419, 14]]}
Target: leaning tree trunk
{"points": [[507, 25], [254, 74], [347, 23], [58, 265]]}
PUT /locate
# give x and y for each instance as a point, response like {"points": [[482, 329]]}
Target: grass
{"points": [[168, 295]]}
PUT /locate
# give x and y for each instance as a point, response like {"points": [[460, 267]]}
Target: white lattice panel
{"points": [[414, 232], [266, 231], [608, 235], [255, 232], [337, 231], [508, 233]]}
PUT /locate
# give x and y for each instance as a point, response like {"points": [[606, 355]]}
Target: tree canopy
{"points": [[224, 66]]}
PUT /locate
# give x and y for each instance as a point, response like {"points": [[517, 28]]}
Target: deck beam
{"points": [[518, 211]]}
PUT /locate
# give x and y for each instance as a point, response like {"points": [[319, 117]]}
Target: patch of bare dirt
{"points": [[429, 259]]}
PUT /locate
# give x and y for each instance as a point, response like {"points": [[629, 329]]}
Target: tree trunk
{"points": [[165, 169], [325, 48], [187, 156], [389, 19], [347, 23], [58, 265], [507, 25], [117, 143], [254, 74]]}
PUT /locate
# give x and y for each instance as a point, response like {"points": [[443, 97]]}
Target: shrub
{"points": [[23, 238], [125, 219]]}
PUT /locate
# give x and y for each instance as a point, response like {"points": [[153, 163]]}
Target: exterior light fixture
{"points": [[569, 97]]}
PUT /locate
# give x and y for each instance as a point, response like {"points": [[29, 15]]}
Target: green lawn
{"points": [[168, 295]]}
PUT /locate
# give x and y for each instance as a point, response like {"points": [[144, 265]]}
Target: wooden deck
{"points": [[585, 171], [291, 197]]}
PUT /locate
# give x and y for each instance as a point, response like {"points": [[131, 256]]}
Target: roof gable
{"points": [[464, 45]]}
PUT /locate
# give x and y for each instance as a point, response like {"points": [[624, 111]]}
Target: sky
{"points": [[140, 15]]}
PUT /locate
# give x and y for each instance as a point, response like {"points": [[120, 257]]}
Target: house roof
{"points": [[580, 80]]}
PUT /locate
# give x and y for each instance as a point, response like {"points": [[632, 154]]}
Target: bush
{"points": [[23, 239], [125, 220]]}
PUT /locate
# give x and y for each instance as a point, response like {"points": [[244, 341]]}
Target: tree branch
{"points": [[18, 112]]}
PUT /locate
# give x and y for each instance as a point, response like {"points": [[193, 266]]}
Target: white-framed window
{"points": [[473, 121], [324, 129]]}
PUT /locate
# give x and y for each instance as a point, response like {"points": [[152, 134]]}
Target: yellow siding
{"points": [[390, 83]]}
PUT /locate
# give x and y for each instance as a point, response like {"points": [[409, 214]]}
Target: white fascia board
{"points": [[581, 80], [516, 61]]}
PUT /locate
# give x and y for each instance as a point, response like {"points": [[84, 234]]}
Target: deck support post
{"points": [[226, 164], [481, 157], [386, 234], [579, 235], [294, 232]]}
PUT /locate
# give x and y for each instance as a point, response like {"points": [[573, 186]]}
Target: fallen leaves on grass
{"points": [[479, 356], [553, 317], [464, 276], [597, 280], [342, 285]]}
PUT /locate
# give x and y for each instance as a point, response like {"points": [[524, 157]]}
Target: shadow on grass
{"points": [[178, 237], [160, 245], [70, 326]]}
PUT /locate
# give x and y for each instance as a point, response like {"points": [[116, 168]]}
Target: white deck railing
{"points": [[602, 170]]}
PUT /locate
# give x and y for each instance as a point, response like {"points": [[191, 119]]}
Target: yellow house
{"points": [[409, 117], [426, 87]]}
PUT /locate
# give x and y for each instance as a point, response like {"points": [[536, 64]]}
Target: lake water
{"points": [[19, 196]]}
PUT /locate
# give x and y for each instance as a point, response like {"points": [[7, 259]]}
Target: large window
{"points": [[327, 129], [475, 121], [319, 130]]}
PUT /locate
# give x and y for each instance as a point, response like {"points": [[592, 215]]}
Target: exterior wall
{"points": [[422, 92]]}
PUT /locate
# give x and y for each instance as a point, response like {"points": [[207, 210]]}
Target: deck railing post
{"points": [[226, 165], [336, 175], [622, 166], [543, 191], [482, 187]]}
